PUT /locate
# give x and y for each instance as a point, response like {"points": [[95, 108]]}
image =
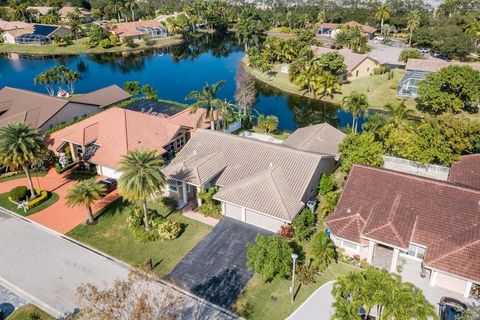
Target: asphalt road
{"points": [[46, 268]]}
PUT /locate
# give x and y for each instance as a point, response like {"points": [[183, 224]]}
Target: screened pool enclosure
{"points": [[154, 32], [33, 39]]}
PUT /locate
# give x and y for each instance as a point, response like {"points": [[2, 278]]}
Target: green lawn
{"points": [[5, 203], [80, 47], [272, 300], [28, 312], [22, 176], [282, 135], [112, 236], [379, 90]]}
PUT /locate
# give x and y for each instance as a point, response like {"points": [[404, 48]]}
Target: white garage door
{"points": [[109, 172], [263, 221], [233, 211]]}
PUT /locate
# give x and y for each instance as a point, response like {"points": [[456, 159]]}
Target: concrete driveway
{"points": [[216, 268], [46, 268], [317, 306]]}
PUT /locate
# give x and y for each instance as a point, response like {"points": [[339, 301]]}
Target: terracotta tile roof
{"points": [[191, 120], [251, 172], [351, 60], [12, 25], [365, 28], [397, 208], [129, 29], [30, 107], [320, 138], [433, 65], [466, 172], [42, 10], [117, 131], [104, 97]]}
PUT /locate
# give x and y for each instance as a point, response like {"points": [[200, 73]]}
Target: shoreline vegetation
{"points": [[379, 89], [82, 48]]}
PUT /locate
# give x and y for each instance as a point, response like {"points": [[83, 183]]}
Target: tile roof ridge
{"points": [[270, 170], [37, 93], [445, 183], [205, 159]]}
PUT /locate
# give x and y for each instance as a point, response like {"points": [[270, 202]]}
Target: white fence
{"points": [[234, 126], [420, 169]]}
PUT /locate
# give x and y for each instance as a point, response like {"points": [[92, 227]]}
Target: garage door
{"points": [[263, 221], [233, 211], [109, 172]]}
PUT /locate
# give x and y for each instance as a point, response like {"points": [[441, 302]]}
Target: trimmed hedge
{"points": [[18, 194], [59, 169], [42, 196]]}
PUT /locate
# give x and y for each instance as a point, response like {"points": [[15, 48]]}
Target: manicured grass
{"points": [[80, 47], [379, 89], [27, 312], [272, 300], [279, 135], [22, 176], [5, 203], [112, 235]]}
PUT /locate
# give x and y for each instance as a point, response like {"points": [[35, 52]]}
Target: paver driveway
{"points": [[216, 268], [58, 216]]}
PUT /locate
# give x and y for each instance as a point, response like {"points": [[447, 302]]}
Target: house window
{"points": [[416, 251], [180, 142], [356, 73], [173, 187], [349, 245]]}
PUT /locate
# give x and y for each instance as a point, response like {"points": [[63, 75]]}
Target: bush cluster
{"points": [[42, 196], [18, 194], [303, 224], [161, 228]]}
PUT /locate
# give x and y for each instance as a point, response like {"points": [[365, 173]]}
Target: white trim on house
{"points": [[383, 243], [264, 214]]}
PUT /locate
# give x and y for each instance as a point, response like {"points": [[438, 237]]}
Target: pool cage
{"points": [[154, 32], [32, 39]]}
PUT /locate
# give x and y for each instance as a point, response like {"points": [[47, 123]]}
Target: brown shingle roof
{"points": [[466, 172], [118, 131], [433, 65], [320, 138], [258, 175], [28, 107], [103, 97], [397, 208], [351, 59]]}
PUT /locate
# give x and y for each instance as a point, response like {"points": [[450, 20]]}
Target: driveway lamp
{"points": [[294, 259]]}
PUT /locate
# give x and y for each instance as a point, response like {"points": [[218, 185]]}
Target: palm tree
{"points": [[117, 6], [75, 23], [84, 194], [327, 85], [398, 114], [356, 103], [308, 81], [131, 5], [345, 310], [323, 251], [382, 14], [20, 145], [249, 26], [341, 39], [141, 177], [473, 30], [412, 24], [207, 98]]}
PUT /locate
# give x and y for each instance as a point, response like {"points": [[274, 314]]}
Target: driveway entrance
{"points": [[216, 268]]}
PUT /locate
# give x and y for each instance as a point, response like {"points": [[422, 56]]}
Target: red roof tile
{"points": [[466, 172]]}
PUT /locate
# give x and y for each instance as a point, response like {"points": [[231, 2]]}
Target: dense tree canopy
{"points": [[360, 149]]}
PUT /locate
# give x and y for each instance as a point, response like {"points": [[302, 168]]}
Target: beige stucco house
{"points": [[396, 220]]}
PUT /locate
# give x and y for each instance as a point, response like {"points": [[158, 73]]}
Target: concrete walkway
{"points": [[46, 268], [317, 306], [57, 216]]}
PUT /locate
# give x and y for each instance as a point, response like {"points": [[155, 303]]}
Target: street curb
{"points": [[121, 263], [304, 302]]}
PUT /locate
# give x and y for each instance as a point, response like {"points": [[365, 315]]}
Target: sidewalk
{"points": [[188, 211]]}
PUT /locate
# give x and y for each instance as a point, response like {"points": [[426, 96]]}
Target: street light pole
{"points": [[292, 291]]}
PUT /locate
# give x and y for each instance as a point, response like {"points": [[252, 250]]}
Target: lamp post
{"points": [[292, 291]]}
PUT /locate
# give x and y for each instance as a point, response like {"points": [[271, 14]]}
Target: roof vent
{"points": [[271, 165], [194, 152], [349, 211]]}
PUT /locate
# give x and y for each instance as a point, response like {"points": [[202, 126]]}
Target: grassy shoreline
{"points": [[81, 48]]}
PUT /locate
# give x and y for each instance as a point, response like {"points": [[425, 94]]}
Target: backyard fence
{"points": [[408, 166]]}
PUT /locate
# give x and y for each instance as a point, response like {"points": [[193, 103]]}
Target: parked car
{"points": [[440, 56], [378, 38], [423, 50], [110, 184], [450, 308]]}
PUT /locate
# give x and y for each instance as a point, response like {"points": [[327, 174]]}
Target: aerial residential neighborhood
{"points": [[215, 159]]}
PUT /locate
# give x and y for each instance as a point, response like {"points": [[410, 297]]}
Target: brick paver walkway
{"points": [[189, 212], [58, 216]]}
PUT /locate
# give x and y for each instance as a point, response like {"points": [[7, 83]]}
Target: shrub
{"points": [[270, 257], [210, 210], [303, 224], [18, 193], [147, 41], [284, 29], [327, 184], [381, 70], [209, 207], [105, 43], [286, 232], [113, 39], [59, 169], [169, 203], [128, 42], [306, 275], [91, 44], [169, 229], [42, 196], [136, 225]]}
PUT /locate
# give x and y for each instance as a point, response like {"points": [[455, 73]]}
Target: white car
{"points": [[423, 50], [378, 38]]}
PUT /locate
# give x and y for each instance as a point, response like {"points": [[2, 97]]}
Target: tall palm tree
{"points": [[327, 85], [84, 194], [308, 80], [356, 103], [249, 27], [131, 5], [74, 22], [398, 114], [141, 177], [323, 251], [412, 24], [20, 145], [117, 6], [207, 98], [382, 14], [345, 310]]}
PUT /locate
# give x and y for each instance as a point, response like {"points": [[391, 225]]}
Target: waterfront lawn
{"points": [[379, 89], [29, 311], [23, 176], [271, 300], [5, 203], [112, 236], [80, 47]]}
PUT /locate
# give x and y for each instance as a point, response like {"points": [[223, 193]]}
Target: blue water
{"points": [[173, 73]]}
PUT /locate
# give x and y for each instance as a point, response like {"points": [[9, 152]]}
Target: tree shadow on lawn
{"points": [[115, 208]]}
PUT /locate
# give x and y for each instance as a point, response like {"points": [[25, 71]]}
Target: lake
{"points": [[174, 72]]}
